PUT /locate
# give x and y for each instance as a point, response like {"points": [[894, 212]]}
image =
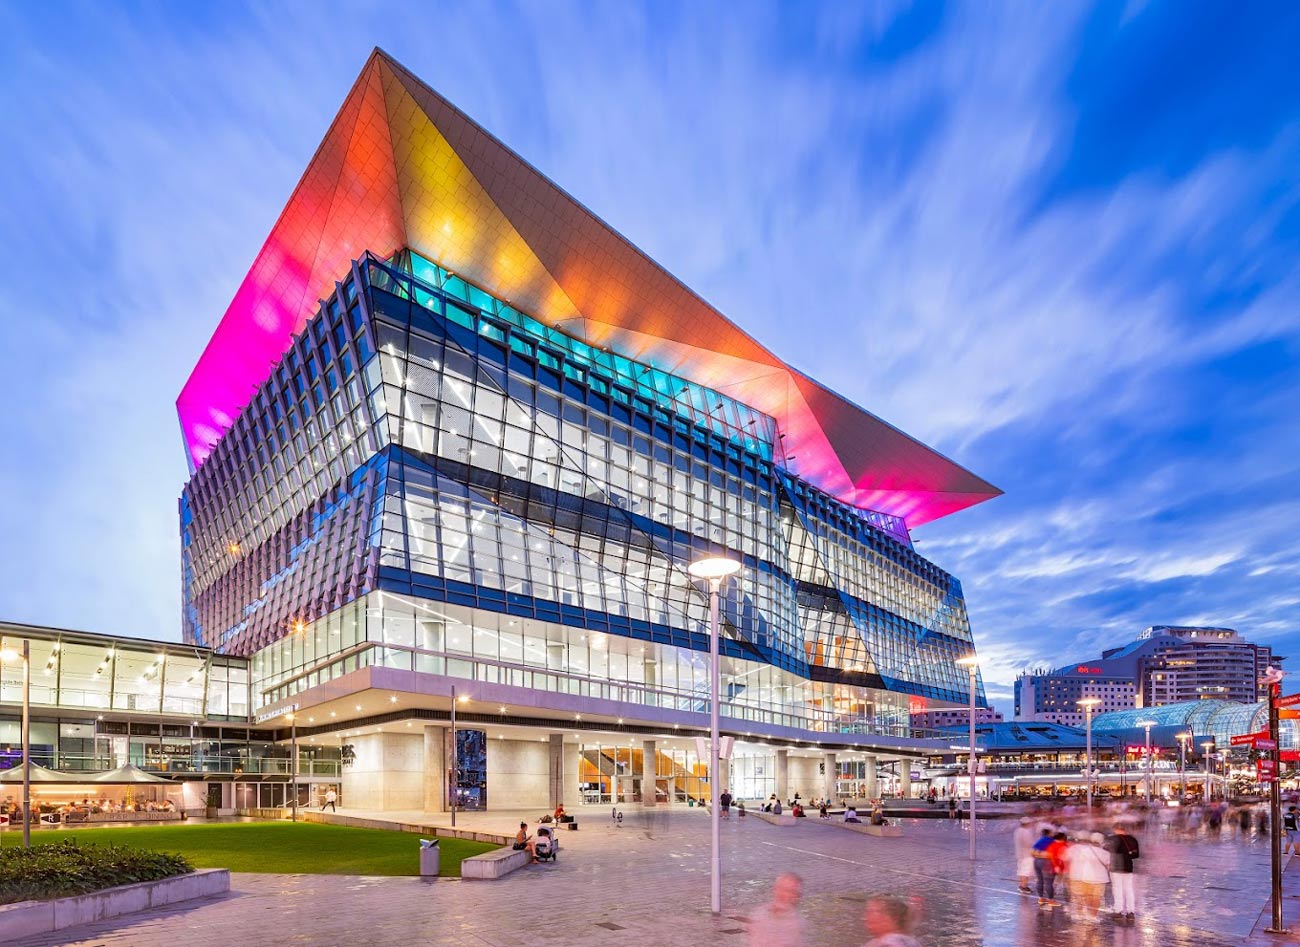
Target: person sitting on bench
{"points": [[524, 841], [851, 814]]}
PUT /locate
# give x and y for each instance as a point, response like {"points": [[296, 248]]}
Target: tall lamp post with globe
{"points": [[714, 570], [1088, 704], [971, 664], [1148, 724], [1182, 739]]}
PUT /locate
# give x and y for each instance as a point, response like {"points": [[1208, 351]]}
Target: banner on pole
{"points": [[1291, 700], [1245, 739]]}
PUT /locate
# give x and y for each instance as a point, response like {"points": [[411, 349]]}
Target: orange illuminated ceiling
{"points": [[402, 167]]}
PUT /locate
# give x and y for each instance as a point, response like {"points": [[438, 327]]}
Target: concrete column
{"points": [[555, 770], [387, 772], [829, 790], [783, 775], [648, 771], [905, 777], [518, 774], [435, 769], [872, 790]]}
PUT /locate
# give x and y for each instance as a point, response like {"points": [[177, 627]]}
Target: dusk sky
{"points": [[1057, 242]]}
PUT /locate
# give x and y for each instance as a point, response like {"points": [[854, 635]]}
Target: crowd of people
{"points": [[1076, 856], [73, 811]]}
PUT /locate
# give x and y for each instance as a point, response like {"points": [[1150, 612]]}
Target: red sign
{"points": [[1291, 701], [1084, 669], [1266, 766], [1288, 714], [1139, 749], [1290, 756], [1245, 739]]}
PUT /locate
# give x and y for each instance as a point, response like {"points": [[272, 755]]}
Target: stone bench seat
{"points": [[884, 831], [782, 819], [494, 864], [892, 830]]}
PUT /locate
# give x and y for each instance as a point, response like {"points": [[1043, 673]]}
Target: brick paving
{"points": [[647, 883]]}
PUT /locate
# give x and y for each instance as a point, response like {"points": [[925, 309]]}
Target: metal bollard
{"points": [[430, 858]]}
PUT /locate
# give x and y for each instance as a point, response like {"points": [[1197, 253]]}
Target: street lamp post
{"points": [[714, 570], [1148, 724], [972, 665], [1182, 765], [1206, 747], [8, 656], [1088, 703], [455, 762]]}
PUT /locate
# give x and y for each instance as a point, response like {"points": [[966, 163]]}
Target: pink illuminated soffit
{"points": [[401, 166]]}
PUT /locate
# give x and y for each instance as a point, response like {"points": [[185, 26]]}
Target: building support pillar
{"points": [[873, 789], [435, 769], [905, 777], [783, 774], [829, 780], [555, 770], [649, 772]]}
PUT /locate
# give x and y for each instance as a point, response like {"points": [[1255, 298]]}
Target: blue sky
{"points": [[1056, 241]]}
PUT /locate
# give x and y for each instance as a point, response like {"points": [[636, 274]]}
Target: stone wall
{"points": [[387, 772], [518, 774]]}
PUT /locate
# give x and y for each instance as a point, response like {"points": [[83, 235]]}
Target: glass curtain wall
{"points": [[387, 630]]}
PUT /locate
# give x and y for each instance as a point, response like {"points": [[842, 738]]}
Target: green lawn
{"points": [[286, 847]]}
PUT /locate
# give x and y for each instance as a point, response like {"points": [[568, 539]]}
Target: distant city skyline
{"points": [[1056, 246]]}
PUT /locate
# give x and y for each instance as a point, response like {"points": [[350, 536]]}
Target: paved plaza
{"points": [[648, 882]]}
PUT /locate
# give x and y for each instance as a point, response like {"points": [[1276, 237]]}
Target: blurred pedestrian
{"points": [[778, 923], [1124, 851], [1022, 844], [1291, 831], [887, 920], [1044, 868], [1089, 872]]}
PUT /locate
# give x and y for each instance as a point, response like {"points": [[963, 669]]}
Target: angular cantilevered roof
{"points": [[401, 167]]}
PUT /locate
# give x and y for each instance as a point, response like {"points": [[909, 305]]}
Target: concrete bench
{"points": [[494, 864], [865, 828], [884, 831], [782, 819]]}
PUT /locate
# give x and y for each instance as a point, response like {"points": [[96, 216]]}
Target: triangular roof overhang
{"points": [[402, 167]]}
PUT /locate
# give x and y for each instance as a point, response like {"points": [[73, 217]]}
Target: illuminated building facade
{"points": [[453, 429]]}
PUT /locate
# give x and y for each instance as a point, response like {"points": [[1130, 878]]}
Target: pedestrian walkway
{"points": [[648, 882]]}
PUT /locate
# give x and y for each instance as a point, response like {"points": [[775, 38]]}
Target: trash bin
{"points": [[430, 858]]}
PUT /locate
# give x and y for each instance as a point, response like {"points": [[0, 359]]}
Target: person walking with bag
{"points": [[1124, 851]]}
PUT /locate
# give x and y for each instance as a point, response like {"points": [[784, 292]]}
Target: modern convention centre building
{"points": [[457, 436]]}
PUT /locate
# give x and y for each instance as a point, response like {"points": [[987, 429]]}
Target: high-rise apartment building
{"points": [[1165, 664], [1189, 663], [1053, 696]]}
